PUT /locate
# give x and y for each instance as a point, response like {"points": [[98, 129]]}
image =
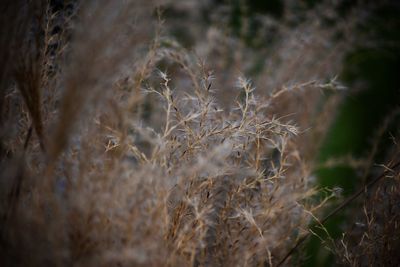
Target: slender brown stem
{"points": [[28, 137]]}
